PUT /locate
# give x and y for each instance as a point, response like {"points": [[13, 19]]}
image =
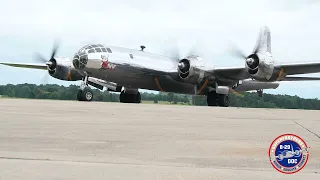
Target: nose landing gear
{"points": [[85, 92]]}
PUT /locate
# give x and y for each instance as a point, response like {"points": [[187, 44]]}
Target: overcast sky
{"points": [[205, 27]]}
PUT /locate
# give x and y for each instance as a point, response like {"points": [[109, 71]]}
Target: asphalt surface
{"points": [[44, 139]]}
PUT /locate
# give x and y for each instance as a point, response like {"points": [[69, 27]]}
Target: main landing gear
{"points": [[85, 92], [126, 97], [260, 92], [214, 99]]}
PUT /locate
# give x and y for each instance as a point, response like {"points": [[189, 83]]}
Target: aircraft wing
{"points": [[240, 73], [299, 68], [24, 65], [296, 78]]}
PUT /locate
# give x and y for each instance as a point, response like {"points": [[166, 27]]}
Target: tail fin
{"points": [[263, 41]]}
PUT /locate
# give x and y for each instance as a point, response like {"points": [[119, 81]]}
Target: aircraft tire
{"points": [[123, 97], [87, 94], [137, 98], [223, 100], [79, 95], [212, 98], [130, 98]]}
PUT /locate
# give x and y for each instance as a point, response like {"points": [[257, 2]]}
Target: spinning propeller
{"points": [[176, 55], [51, 63], [252, 60]]}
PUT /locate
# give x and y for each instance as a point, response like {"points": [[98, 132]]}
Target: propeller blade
{"points": [[257, 46], [55, 49], [45, 79], [235, 51], [39, 58]]}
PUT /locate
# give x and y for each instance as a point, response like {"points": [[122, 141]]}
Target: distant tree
{"points": [[52, 91], [175, 99], [155, 101], [170, 97], [186, 99]]}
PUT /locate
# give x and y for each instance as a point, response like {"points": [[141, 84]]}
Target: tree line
{"points": [[251, 100]]}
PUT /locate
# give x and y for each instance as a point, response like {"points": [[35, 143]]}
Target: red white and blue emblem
{"points": [[288, 153]]}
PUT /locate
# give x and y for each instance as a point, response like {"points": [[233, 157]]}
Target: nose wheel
{"points": [[85, 92], [85, 95]]}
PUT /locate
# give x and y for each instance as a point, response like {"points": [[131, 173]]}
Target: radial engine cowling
{"points": [[62, 68], [191, 69], [260, 67]]}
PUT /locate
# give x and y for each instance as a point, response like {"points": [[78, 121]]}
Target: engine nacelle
{"points": [[191, 69], [260, 66], [62, 68]]}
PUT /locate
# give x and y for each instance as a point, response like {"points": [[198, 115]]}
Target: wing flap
{"points": [[24, 65]]}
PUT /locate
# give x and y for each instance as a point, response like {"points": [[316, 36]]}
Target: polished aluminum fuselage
{"points": [[136, 69]]}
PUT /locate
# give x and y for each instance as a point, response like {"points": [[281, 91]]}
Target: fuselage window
{"points": [[109, 50], [88, 47], [98, 49]]}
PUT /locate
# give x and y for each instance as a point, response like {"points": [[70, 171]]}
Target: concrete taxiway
{"points": [[44, 139]]}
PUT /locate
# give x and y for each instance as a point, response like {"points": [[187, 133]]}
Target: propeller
{"points": [[51, 63], [237, 52], [175, 54], [252, 60]]}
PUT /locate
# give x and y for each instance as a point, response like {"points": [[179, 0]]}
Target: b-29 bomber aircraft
{"points": [[126, 70]]}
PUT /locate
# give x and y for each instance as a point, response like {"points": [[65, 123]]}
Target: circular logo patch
{"points": [[288, 153]]}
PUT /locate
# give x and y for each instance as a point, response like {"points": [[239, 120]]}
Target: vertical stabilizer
{"points": [[264, 41]]}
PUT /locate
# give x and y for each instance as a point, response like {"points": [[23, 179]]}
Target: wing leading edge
{"points": [[24, 65]]}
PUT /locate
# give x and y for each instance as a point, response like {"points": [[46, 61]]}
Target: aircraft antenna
{"points": [[142, 47]]}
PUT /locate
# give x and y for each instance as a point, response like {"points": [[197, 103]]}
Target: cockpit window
{"points": [[98, 49], [109, 50], [92, 48], [88, 47]]}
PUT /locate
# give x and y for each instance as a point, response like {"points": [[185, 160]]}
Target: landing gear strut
{"points": [[85, 93], [260, 92], [130, 98], [214, 99]]}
